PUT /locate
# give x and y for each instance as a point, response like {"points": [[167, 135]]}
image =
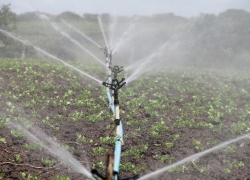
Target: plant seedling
{"points": [[2, 140], [58, 177], [1, 175], [18, 158], [48, 162], [197, 145], [33, 146], [100, 165]]}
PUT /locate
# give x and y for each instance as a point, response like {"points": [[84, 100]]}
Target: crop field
{"points": [[167, 114]]}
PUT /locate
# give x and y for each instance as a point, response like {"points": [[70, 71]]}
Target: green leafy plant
{"points": [[158, 127], [58, 177], [136, 152], [200, 169], [165, 158], [132, 168], [18, 158], [167, 144], [226, 170], [68, 147], [29, 176], [179, 169], [99, 151], [48, 162], [107, 140], [17, 133], [2, 140], [197, 145], [175, 137], [100, 165], [82, 139], [1, 175], [154, 134], [230, 149], [33, 146], [235, 164]]}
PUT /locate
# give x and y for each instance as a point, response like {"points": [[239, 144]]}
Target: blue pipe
{"points": [[111, 104], [118, 149]]}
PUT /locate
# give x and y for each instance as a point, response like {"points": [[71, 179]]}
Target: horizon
{"points": [[125, 8]]}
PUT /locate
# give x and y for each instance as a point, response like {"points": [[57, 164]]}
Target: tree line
{"points": [[212, 39]]}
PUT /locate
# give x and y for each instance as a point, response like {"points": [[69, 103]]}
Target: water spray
{"points": [[53, 148], [88, 38], [100, 22], [123, 39], [49, 55], [144, 63], [108, 55], [171, 44], [73, 40], [193, 157], [111, 85]]}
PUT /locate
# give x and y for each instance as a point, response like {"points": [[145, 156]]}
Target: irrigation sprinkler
{"points": [[114, 159], [110, 99], [108, 55], [108, 63], [116, 70], [115, 86]]}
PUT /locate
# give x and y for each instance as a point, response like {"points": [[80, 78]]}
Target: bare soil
{"points": [[31, 159]]}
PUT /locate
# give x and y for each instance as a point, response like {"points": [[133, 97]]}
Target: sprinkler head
{"points": [[105, 51], [116, 69], [115, 84]]}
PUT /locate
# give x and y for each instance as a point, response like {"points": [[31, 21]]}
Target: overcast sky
{"points": [[187, 8]]}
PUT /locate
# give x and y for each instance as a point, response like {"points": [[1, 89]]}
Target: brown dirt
{"points": [[31, 159]]}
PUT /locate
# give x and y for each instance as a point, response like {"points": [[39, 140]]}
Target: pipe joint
{"points": [[117, 122]]}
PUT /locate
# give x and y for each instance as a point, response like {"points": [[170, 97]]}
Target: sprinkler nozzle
{"points": [[105, 84], [116, 69], [123, 79], [122, 85], [115, 84]]}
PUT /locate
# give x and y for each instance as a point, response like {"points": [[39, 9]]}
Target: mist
{"points": [[176, 87]]}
